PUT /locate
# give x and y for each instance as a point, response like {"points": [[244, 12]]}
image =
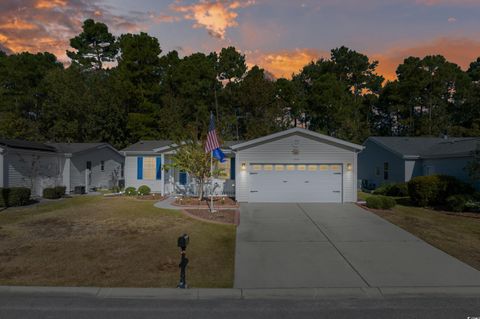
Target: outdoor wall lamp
{"points": [[244, 166], [349, 167]]}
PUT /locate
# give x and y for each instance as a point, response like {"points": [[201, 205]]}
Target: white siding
{"points": [[99, 179], [131, 175], [309, 151]]}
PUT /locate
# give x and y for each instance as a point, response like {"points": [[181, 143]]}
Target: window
{"points": [[312, 168], [335, 167], [257, 167], [279, 168], [122, 170], [183, 178], [385, 170], [290, 167], [149, 168], [102, 166], [301, 167], [267, 167], [224, 168], [323, 167]]}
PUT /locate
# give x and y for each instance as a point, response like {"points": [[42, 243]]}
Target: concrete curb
{"points": [[239, 293]]}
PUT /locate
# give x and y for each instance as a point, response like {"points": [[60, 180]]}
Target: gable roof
{"points": [[426, 147], [162, 145], [296, 130], [73, 148], [27, 145]]}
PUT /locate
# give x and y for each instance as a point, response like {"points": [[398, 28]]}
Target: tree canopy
{"points": [[124, 89]]}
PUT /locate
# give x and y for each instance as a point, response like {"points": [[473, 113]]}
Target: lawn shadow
{"points": [[404, 201]]}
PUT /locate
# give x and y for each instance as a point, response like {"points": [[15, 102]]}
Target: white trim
{"points": [[297, 130]]}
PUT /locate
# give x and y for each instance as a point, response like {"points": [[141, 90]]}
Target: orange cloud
{"points": [[17, 24], [461, 51], [48, 4], [285, 63], [214, 15]]}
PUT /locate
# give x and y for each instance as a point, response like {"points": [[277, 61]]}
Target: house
{"points": [[94, 165], [398, 159], [41, 165], [296, 165]]}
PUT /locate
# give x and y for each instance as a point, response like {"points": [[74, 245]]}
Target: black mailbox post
{"points": [[182, 243]]}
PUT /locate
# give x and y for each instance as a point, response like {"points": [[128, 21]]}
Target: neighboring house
{"points": [[398, 159], [90, 164], [295, 165], [41, 165], [29, 164]]}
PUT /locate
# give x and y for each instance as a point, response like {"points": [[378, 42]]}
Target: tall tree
{"points": [[94, 46]]}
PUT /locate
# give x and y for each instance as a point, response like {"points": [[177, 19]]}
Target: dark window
{"points": [[89, 165], [385, 170], [183, 178], [122, 170], [102, 166]]}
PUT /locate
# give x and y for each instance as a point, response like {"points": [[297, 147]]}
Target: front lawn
{"points": [[114, 242], [454, 234]]}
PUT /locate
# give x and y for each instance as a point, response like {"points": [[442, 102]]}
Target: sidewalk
{"points": [[237, 294]]}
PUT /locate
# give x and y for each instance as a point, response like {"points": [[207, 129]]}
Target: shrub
{"points": [[473, 206], [434, 190], [18, 196], [3, 196], [50, 193], [144, 190], [398, 190], [382, 189], [380, 202], [456, 203], [130, 191], [60, 190]]}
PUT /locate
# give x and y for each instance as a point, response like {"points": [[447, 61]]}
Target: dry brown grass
{"points": [[456, 235], [114, 242]]}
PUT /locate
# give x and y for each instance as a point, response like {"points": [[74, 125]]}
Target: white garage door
{"points": [[299, 183]]}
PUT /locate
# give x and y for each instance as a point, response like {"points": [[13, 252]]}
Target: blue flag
{"points": [[218, 154]]}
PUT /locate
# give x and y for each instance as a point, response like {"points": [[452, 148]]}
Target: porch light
{"points": [[244, 166], [349, 167]]}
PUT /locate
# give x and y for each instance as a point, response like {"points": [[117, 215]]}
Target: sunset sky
{"points": [[279, 35]]}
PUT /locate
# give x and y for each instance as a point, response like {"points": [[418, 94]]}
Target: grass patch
{"points": [[110, 242], [456, 235]]}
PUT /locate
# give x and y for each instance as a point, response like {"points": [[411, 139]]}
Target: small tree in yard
{"points": [[191, 158]]}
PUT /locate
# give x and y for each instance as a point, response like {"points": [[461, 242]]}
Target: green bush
{"points": [[398, 190], [50, 193], [130, 191], [456, 203], [382, 189], [144, 190], [3, 196], [380, 202], [434, 190], [18, 196], [60, 190]]}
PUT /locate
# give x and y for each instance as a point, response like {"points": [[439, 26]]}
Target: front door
{"points": [[88, 175]]}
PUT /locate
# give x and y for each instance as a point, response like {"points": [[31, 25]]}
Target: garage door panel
{"points": [[296, 185]]}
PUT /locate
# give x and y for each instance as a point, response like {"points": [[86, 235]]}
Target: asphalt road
{"points": [[37, 307]]}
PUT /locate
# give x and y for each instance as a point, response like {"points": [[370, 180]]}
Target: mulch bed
{"points": [[217, 202], [156, 197], [224, 216]]}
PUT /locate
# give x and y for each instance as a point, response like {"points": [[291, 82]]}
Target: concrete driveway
{"points": [[336, 245]]}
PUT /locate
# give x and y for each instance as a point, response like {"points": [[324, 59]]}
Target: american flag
{"points": [[212, 140]]}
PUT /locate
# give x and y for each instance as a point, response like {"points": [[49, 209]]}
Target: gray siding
{"points": [[99, 179], [413, 168], [374, 156], [448, 166], [32, 169], [309, 151]]}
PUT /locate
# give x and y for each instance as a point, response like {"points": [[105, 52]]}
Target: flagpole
{"points": [[212, 209]]}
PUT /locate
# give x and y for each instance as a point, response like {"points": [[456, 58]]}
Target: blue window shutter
{"points": [[159, 168], [139, 167], [183, 178], [232, 168]]}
